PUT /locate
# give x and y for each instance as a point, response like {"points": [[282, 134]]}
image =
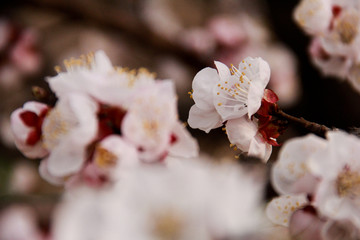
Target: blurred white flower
{"points": [[290, 173], [19, 223], [338, 193], [192, 200]]}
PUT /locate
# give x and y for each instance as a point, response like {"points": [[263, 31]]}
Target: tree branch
{"points": [[315, 128]]}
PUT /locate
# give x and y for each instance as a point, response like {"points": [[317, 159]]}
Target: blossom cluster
{"points": [[319, 185], [237, 98], [105, 119], [334, 27], [192, 200]]}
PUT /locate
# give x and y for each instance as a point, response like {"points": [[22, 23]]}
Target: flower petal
{"points": [[203, 84], [280, 209], [204, 120], [185, 145]]}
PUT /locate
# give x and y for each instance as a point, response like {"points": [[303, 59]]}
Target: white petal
{"points": [[185, 145], [224, 71], [102, 62], [241, 132], [44, 173], [313, 16], [260, 148], [291, 165], [203, 84], [204, 120], [280, 209], [258, 72], [69, 155]]}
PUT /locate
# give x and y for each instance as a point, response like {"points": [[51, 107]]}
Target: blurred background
{"points": [[174, 39]]}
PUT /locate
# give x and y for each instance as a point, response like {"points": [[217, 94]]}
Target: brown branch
{"points": [[120, 20], [315, 128]]}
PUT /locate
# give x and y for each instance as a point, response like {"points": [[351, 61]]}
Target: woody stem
{"points": [[315, 128]]}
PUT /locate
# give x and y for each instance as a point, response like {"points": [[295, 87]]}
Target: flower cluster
{"points": [[319, 183], [105, 119], [334, 26], [191, 200], [237, 98]]}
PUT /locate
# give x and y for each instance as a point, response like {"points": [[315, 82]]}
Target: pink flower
{"points": [[26, 125]]}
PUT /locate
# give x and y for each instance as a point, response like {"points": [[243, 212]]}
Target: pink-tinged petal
{"points": [[44, 173], [241, 132], [306, 224], [25, 126], [290, 173], [314, 16], [185, 145], [223, 70], [204, 120], [340, 230], [280, 209], [260, 148], [203, 84]]}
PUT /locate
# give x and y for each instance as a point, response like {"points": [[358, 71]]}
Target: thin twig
{"points": [[315, 128]]}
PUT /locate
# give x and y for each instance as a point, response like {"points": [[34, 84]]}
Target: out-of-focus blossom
{"points": [[290, 173], [19, 55], [24, 178], [334, 26], [337, 196], [280, 209], [193, 200], [338, 230], [26, 124], [306, 224], [101, 108], [332, 194], [19, 223]]}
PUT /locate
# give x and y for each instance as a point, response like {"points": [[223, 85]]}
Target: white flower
{"points": [[67, 130], [239, 91], [26, 127], [243, 132], [338, 193], [94, 75], [188, 201], [313, 15], [228, 93], [151, 123], [290, 173]]}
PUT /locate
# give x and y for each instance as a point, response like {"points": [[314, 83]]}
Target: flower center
{"points": [[234, 90], [55, 127], [348, 184], [167, 225], [347, 28], [104, 158]]}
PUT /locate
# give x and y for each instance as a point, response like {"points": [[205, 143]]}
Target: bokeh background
{"points": [[174, 39]]}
